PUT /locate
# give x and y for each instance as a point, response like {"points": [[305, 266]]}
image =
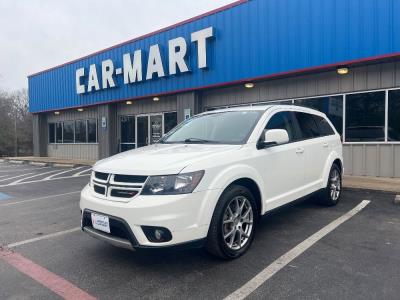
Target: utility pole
{"points": [[15, 135]]}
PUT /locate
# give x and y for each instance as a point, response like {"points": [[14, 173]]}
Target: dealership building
{"points": [[338, 56]]}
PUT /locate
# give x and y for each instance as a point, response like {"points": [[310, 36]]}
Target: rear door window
{"points": [[323, 126], [308, 126]]}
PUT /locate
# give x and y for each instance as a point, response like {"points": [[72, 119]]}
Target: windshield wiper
{"points": [[196, 140]]}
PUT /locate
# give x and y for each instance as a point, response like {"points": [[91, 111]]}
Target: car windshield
{"points": [[228, 127]]}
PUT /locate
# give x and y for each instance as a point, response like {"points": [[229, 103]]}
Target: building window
{"points": [[92, 130], [68, 132], [331, 106], [394, 116], [80, 131], [170, 121], [59, 132], [365, 117], [52, 133]]}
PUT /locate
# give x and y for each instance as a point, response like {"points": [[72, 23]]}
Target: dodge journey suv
{"points": [[209, 180]]}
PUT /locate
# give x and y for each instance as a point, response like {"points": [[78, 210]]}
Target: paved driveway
{"points": [[45, 255]]}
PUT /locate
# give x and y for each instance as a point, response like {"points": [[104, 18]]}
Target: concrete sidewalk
{"points": [[372, 183], [49, 161]]}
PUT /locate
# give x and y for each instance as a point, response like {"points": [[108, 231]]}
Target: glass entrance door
{"points": [[127, 125], [142, 131], [155, 128]]}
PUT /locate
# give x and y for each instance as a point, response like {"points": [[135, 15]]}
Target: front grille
{"points": [[117, 187], [99, 189], [118, 227], [130, 178], [101, 176], [122, 193]]}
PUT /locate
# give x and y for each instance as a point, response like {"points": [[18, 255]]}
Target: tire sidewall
{"points": [[224, 201]]}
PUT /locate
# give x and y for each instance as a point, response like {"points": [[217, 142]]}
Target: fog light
{"points": [[157, 234]]}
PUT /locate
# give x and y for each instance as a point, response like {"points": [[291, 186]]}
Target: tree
{"points": [[15, 124]]}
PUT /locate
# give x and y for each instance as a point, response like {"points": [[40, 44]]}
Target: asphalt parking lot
{"points": [[45, 255]]}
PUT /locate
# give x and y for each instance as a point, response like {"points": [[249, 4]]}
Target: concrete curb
{"points": [[397, 200], [56, 165], [38, 164], [17, 162]]}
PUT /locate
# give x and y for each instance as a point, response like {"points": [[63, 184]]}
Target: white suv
{"points": [[208, 181]]}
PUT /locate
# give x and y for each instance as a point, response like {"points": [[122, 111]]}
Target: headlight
{"points": [[172, 184]]}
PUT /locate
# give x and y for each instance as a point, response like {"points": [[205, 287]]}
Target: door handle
{"points": [[325, 145], [299, 150]]}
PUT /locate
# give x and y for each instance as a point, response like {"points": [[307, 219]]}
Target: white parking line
{"points": [[37, 199], [43, 237], [62, 172], [285, 259], [36, 175], [16, 176], [41, 180], [80, 173]]}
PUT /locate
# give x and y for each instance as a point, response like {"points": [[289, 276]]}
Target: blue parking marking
{"points": [[4, 196]]}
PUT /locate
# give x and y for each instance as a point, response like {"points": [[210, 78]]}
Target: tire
{"points": [[330, 196], [229, 218]]}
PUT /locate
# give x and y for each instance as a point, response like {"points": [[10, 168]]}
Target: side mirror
{"points": [[274, 137]]}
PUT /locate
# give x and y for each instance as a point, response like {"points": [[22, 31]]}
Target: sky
{"points": [[38, 34]]}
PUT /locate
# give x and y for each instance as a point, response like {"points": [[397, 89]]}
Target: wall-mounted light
{"points": [[128, 102], [56, 112], [80, 109], [156, 99], [249, 85], [342, 70]]}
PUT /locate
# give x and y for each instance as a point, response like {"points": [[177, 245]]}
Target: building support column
{"points": [[107, 130], [188, 103], [40, 134]]}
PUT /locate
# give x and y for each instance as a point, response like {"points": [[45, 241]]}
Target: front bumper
{"points": [[186, 216]]}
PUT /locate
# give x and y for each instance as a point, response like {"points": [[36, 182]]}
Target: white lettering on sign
{"points": [[132, 65], [132, 71], [93, 81], [200, 37], [176, 53], [154, 65]]}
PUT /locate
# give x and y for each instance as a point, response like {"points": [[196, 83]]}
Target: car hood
{"points": [[160, 159]]}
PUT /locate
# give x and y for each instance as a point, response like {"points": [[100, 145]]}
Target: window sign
{"points": [[187, 113]]}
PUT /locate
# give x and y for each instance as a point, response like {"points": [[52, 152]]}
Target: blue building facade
{"points": [[250, 40], [338, 56]]}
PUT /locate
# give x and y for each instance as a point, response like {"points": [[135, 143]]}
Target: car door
{"points": [[282, 166], [316, 148]]}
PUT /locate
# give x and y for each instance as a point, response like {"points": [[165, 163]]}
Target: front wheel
{"points": [[331, 194], [233, 223]]}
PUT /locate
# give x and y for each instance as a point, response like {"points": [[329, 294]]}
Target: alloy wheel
{"points": [[335, 184], [237, 225]]}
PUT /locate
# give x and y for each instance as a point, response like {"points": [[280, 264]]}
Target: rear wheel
{"points": [[233, 223], [331, 194]]}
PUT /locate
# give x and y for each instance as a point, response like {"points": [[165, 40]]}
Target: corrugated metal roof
{"points": [[253, 39]]}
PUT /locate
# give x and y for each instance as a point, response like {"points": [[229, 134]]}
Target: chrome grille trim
{"points": [[111, 184]]}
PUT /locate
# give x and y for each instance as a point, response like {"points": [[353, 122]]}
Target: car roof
{"points": [[266, 107]]}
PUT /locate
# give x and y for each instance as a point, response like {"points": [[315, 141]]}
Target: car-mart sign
{"points": [[132, 68]]}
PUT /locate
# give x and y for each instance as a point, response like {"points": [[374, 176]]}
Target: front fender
{"points": [[224, 178]]}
